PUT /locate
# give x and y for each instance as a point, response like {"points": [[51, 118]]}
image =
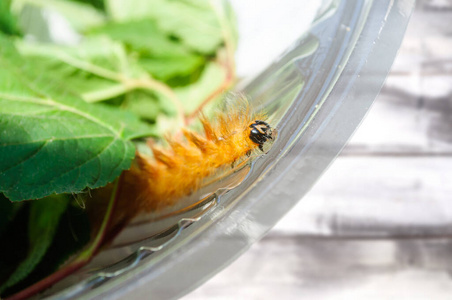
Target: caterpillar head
{"points": [[260, 132]]}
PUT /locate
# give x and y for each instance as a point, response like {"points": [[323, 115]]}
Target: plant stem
{"points": [[163, 89], [127, 84], [225, 57]]}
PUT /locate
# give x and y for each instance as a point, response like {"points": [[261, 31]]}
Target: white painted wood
{"points": [[376, 195], [397, 125], [290, 268]]}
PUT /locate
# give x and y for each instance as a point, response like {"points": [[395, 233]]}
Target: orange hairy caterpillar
{"points": [[180, 169]]}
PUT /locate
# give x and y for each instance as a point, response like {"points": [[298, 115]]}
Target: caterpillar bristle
{"points": [[190, 158], [208, 130], [200, 142], [163, 157]]}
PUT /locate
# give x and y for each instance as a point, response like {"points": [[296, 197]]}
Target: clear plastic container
{"points": [[316, 93]]}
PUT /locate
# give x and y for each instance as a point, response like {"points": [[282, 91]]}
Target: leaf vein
{"points": [[26, 158], [85, 162], [60, 106], [58, 139]]}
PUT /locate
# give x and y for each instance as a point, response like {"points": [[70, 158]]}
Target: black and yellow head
{"points": [[260, 133]]}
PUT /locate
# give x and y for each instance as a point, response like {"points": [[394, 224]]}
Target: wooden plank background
{"points": [[378, 223]]}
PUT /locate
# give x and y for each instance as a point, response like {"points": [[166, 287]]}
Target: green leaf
{"points": [[8, 211], [194, 22], [15, 237], [8, 23], [78, 66], [81, 16], [165, 68], [44, 217], [72, 234], [211, 79], [99, 4], [143, 36], [159, 54], [143, 104], [75, 63], [51, 140]]}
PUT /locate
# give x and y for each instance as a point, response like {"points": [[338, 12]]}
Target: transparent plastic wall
{"points": [[316, 94]]}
